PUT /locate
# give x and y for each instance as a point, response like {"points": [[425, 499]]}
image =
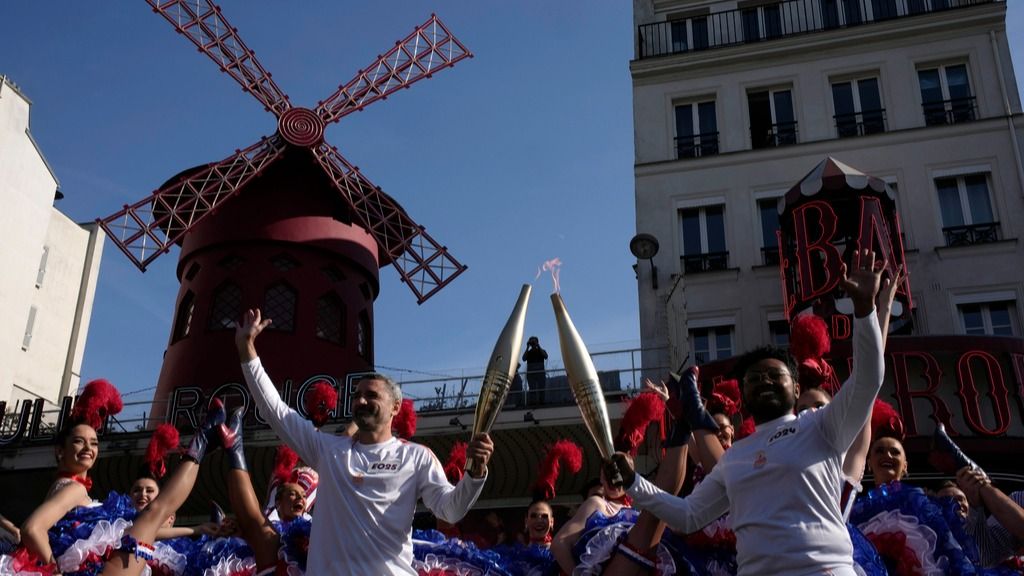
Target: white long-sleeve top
{"points": [[367, 493], [781, 485]]}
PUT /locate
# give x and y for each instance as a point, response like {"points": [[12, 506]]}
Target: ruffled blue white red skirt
{"points": [[915, 534], [221, 557], [673, 556], [84, 538], [80, 541], [436, 555], [532, 560]]}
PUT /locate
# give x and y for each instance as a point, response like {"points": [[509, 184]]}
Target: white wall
{"points": [[62, 300]]}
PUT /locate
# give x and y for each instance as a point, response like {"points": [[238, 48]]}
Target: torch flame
{"points": [[553, 266]]}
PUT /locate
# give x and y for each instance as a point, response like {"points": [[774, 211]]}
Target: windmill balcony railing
{"points": [[778, 20], [954, 111], [698, 145], [781, 134], [860, 123], [971, 234], [706, 262]]}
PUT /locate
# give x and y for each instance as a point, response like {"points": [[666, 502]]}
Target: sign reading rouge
{"points": [[185, 408], [833, 211], [974, 385]]}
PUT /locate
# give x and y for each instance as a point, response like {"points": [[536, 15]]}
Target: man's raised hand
{"points": [[246, 332], [862, 284]]}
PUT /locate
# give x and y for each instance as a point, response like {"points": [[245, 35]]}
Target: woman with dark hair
{"points": [[76, 450]]}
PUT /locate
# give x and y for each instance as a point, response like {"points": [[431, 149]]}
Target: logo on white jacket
{"points": [[383, 467], [785, 431]]}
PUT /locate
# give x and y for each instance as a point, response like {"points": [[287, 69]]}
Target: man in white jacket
{"points": [[369, 482], [781, 485]]}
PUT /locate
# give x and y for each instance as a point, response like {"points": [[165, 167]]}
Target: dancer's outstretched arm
{"points": [[562, 543], [34, 532]]}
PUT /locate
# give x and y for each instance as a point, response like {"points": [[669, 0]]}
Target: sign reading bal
{"points": [[832, 211]]}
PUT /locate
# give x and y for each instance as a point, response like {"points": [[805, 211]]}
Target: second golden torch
{"points": [[586, 388], [501, 369]]}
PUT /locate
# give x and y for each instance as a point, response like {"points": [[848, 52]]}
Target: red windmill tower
{"points": [[287, 224]]}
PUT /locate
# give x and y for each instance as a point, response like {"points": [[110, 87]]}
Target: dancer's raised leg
{"points": [[256, 529], [634, 556], [136, 545]]}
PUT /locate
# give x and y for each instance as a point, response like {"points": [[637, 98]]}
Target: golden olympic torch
{"points": [[501, 370], [586, 388]]}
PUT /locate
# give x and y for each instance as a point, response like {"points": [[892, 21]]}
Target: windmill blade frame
{"points": [[148, 228], [424, 265]]}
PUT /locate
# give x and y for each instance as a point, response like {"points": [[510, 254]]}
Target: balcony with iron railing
{"points": [[971, 234], [770, 256], [860, 123], [954, 111], [705, 262], [779, 20], [697, 145], [620, 373], [773, 135]]}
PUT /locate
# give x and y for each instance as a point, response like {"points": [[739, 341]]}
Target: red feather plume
{"points": [[562, 453], [746, 428], [455, 467], [730, 389], [809, 338], [722, 404], [404, 423], [284, 462], [725, 397], [640, 412], [164, 439], [809, 342], [99, 400], [321, 399], [885, 421]]}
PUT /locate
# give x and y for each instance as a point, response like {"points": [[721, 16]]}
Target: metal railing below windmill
{"points": [[618, 370]]}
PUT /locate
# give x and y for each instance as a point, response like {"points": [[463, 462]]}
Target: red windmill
{"points": [[307, 233]]}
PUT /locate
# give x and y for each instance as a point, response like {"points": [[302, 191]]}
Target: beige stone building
{"points": [[49, 263], [735, 101]]}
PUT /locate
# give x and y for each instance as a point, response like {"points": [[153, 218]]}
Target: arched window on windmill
{"points": [[183, 320], [330, 318], [226, 307], [279, 305], [364, 339]]}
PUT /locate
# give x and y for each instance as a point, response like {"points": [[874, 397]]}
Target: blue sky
{"points": [[519, 155]]}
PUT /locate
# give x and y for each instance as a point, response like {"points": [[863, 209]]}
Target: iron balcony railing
{"points": [[781, 134], [619, 371], [706, 262], [778, 20], [860, 123], [971, 234], [955, 111], [770, 255], [697, 145]]}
